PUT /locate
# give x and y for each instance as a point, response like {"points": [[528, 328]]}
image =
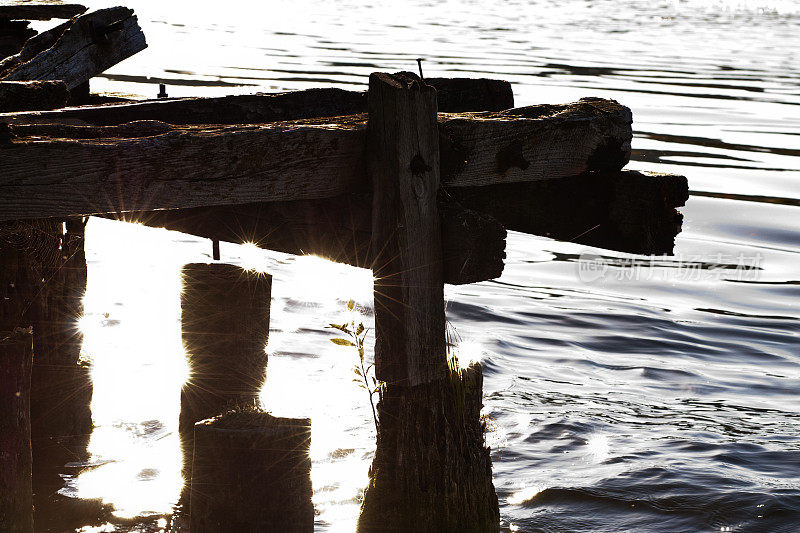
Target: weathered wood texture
{"points": [[626, 211], [225, 327], [34, 45], [40, 11], [151, 165], [453, 95], [87, 46], [252, 472], [403, 150], [431, 472], [32, 95], [339, 229], [16, 496], [534, 143], [13, 34]]}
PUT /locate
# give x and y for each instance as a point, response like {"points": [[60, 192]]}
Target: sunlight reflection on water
{"points": [[139, 365]]}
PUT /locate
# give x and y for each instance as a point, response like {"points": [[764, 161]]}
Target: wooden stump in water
{"points": [[16, 503], [251, 472], [431, 471], [225, 323]]}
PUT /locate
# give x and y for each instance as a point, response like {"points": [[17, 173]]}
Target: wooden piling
{"points": [[431, 472], [225, 324], [61, 385], [251, 472], [403, 162], [16, 503]]}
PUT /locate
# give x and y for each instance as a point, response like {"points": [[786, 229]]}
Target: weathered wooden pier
{"points": [[417, 179]]}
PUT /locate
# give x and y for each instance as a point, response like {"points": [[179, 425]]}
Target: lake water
{"points": [[660, 396]]}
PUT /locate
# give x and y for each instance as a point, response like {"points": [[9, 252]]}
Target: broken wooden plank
{"points": [[339, 229], [62, 170], [626, 211], [453, 95], [403, 164], [88, 45], [32, 47], [32, 95], [40, 11]]}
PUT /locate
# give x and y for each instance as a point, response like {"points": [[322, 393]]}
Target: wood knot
{"points": [[418, 165], [511, 156]]}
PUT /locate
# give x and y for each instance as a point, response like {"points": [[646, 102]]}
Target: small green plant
{"points": [[365, 379]]}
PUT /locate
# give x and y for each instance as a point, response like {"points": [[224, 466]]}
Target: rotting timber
{"points": [[417, 179]]}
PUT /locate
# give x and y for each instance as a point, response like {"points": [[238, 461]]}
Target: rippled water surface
{"points": [[656, 395]]}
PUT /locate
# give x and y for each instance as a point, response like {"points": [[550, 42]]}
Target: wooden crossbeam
{"points": [[339, 229], [78, 49], [147, 165], [454, 95], [626, 211]]}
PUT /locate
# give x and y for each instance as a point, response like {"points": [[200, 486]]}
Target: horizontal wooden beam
{"points": [[625, 211], [62, 170], [235, 109], [81, 48], [40, 11], [339, 229], [50, 171], [453, 95], [534, 143]]}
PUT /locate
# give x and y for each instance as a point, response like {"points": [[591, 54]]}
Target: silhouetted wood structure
{"points": [[416, 179], [16, 502], [252, 472]]}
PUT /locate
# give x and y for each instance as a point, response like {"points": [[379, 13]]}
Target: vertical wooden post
{"points": [[403, 147], [19, 281], [225, 323], [431, 472], [16, 502], [61, 387]]}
